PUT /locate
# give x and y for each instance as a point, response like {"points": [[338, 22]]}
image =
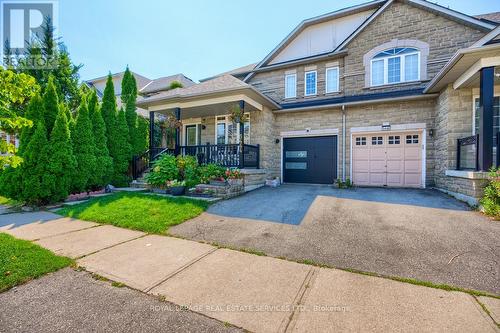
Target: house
{"points": [[393, 93], [145, 86]]}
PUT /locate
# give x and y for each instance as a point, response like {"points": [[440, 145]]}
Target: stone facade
{"points": [[400, 113], [400, 21]]}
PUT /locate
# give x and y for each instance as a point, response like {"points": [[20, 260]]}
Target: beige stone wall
{"points": [[263, 133], [454, 112], [409, 112], [398, 21], [403, 21], [272, 83]]}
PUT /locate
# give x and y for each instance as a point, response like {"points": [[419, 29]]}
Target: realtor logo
{"points": [[22, 22]]}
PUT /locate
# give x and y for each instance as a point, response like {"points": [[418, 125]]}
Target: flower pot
{"points": [[235, 182], [177, 190]]}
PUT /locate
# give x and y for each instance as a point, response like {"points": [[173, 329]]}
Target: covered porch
{"points": [[202, 122]]}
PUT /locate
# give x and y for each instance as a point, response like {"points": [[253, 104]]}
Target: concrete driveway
{"points": [[421, 234]]}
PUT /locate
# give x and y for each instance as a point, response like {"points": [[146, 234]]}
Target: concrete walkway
{"points": [[256, 293]]}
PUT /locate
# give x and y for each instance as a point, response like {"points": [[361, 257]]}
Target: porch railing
{"points": [[468, 152], [229, 156]]}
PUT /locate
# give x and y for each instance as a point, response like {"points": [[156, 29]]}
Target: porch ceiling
{"points": [[463, 69]]}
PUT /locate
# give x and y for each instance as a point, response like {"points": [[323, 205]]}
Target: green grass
{"points": [[21, 261], [144, 212]]}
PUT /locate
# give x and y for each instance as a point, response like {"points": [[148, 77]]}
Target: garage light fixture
{"points": [[386, 127]]}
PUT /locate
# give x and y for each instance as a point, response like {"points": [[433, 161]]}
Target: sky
{"points": [[195, 37]]}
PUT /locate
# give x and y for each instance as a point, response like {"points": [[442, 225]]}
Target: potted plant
{"points": [[177, 187], [234, 177]]}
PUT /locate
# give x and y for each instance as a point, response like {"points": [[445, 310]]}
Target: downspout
{"points": [[343, 142]]}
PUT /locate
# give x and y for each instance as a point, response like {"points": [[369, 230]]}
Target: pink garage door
{"points": [[387, 159]]}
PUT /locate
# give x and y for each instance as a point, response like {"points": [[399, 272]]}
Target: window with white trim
{"points": [[310, 83], [332, 80], [228, 132], [290, 85], [396, 65]]}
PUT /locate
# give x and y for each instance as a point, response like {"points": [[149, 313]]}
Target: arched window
{"points": [[396, 65]]}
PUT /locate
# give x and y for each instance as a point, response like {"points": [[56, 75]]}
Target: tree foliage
{"points": [[50, 105], [36, 181], [83, 148], [62, 162], [103, 172], [52, 59], [108, 111], [15, 90], [121, 154]]}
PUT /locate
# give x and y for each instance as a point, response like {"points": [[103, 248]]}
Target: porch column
{"points": [[242, 136], [486, 87], [151, 134], [177, 131]]}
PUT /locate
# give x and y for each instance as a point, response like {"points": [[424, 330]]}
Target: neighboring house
{"points": [[380, 93], [145, 86]]}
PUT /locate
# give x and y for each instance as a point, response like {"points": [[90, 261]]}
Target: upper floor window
{"points": [[310, 83], [332, 80], [290, 85], [395, 65]]}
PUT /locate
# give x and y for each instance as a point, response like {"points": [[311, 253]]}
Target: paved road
{"points": [[421, 234]]}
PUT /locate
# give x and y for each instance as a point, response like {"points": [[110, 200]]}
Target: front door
{"points": [[310, 160]]}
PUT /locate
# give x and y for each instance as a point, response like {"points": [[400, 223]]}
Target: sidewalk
{"points": [[259, 294]]}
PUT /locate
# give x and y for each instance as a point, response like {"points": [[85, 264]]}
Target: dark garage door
{"points": [[310, 160]]}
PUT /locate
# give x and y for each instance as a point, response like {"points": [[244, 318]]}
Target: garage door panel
{"points": [[362, 178], [396, 166], [377, 154], [377, 166], [378, 179], [395, 179], [395, 153], [412, 179], [412, 153], [393, 159]]}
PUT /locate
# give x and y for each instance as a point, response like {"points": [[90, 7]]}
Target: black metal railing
{"points": [[467, 153], [139, 164], [230, 156]]}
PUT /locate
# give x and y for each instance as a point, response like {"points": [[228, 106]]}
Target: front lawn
{"points": [[144, 212], [21, 261]]}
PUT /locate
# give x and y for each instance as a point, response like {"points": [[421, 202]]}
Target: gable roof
{"points": [[492, 17], [381, 5], [240, 71], [318, 19], [163, 83], [221, 84]]}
